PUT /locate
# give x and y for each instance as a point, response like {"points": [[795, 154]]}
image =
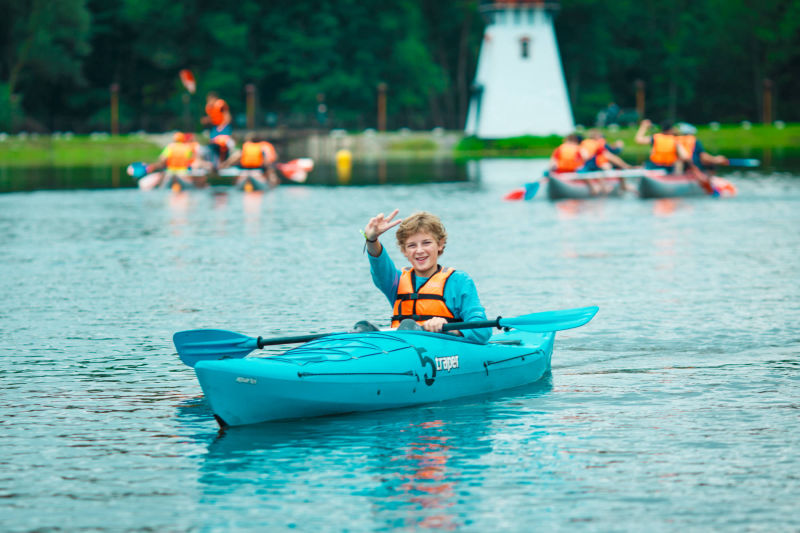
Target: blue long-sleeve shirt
{"points": [[460, 294]]}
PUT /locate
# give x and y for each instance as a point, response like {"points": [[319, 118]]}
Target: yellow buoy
{"points": [[344, 165]]}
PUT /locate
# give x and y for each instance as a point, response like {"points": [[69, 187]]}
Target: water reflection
{"points": [[410, 465]]}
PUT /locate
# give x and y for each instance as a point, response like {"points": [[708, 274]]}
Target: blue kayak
{"points": [[352, 372]]}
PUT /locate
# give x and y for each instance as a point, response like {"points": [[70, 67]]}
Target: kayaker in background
{"points": [[599, 155], [176, 157], [666, 152], [700, 158], [424, 294], [568, 156], [255, 154], [198, 162], [220, 149], [218, 115]]}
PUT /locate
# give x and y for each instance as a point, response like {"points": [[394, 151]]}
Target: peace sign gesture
{"points": [[377, 225]]}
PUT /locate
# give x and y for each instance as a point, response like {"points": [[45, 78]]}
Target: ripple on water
{"points": [[674, 408]]}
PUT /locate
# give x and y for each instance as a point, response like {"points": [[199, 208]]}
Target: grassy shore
{"points": [[103, 150], [76, 151]]}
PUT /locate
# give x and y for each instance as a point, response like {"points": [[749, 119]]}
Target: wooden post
{"points": [[251, 106], [767, 104], [639, 84], [382, 106], [187, 113], [114, 108]]}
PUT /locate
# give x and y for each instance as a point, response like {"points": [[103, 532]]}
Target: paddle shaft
{"points": [[744, 162], [261, 342]]}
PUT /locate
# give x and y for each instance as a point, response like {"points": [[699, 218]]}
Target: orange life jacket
{"points": [[269, 152], [252, 155], [568, 158], [665, 149], [423, 303], [179, 156], [216, 111], [595, 148], [688, 142]]}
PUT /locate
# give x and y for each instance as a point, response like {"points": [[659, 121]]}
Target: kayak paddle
{"points": [[137, 170], [744, 162], [523, 193], [210, 344]]}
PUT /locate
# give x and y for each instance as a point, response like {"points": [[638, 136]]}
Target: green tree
{"points": [[41, 41]]}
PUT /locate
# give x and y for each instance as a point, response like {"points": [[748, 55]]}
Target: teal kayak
{"points": [[352, 372]]}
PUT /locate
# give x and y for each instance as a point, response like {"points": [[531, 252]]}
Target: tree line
{"points": [[320, 64]]}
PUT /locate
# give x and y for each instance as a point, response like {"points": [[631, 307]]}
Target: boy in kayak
{"points": [[424, 293]]}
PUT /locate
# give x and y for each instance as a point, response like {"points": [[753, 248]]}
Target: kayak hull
{"points": [[251, 180], [671, 186], [558, 189], [359, 372], [182, 182]]}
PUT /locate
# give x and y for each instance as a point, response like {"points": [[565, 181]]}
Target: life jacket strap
{"points": [[417, 318], [417, 296]]}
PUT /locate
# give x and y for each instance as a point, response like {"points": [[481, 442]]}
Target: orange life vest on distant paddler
{"points": [[568, 158], [595, 148], [252, 155], [424, 303], [665, 149], [688, 142], [216, 111], [269, 152], [179, 156]]}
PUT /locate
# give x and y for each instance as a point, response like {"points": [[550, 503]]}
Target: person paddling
{"points": [[425, 293], [256, 155], [670, 154], [700, 157], [176, 158], [666, 152], [218, 115], [568, 157], [602, 156]]}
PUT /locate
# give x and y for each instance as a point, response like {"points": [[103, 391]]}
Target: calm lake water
{"points": [[677, 408]]}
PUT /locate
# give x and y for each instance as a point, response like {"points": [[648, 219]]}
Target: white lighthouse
{"points": [[519, 86]]}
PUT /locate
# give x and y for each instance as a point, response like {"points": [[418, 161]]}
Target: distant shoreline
{"points": [[65, 151]]}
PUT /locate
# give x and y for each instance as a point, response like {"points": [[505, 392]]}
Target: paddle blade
{"points": [[137, 170], [723, 187], [210, 344], [530, 190], [744, 162], [516, 194], [297, 169], [551, 320], [187, 79]]}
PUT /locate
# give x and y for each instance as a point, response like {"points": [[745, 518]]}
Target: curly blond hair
{"points": [[421, 221]]}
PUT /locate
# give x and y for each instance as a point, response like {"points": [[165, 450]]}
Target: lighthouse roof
{"points": [[495, 5]]}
